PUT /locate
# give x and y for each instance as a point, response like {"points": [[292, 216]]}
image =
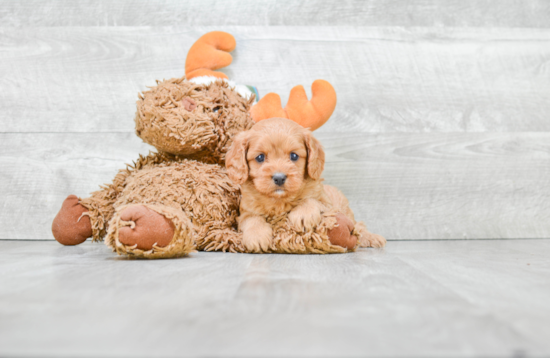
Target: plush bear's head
{"points": [[198, 117], [197, 121]]}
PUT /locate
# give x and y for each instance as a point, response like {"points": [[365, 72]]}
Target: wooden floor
{"points": [[413, 299], [442, 132]]}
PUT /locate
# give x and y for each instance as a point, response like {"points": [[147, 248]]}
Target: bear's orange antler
{"points": [[210, 52], [310, 114]]}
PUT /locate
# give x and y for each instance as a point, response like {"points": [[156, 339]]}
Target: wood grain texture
{"points": [[442, 131], [404, 186], [479, 13], [445, 185], [40, 170], [411, 299], [387, 79]]}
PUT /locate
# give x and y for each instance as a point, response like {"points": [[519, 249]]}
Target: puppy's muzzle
{"points": [[279, 178]]}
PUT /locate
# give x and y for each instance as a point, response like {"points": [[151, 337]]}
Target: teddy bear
{"points": [[180, 198]]}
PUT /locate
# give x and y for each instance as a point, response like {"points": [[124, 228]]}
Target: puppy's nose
{"points": [[279, 178]]}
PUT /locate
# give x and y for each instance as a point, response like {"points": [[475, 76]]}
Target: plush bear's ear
{"points": [[235, 159], [309, 114], [210, 52], [315, 156]]}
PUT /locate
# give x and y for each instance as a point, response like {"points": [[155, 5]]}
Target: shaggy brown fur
{"points": [[181, 198], [192, 120], [192, 126], [198, 198], [185, 183]]}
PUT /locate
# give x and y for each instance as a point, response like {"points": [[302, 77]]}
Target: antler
{"points": [[310, 114], [210, 52]]}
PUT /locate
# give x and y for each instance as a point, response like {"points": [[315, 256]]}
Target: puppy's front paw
{"points": [[305, 218], [258, 238]]}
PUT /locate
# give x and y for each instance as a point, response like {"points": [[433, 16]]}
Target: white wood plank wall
{"points": [[441, 129]]}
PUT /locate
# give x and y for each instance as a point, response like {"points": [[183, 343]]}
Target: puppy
{"points": [[278, 164]]}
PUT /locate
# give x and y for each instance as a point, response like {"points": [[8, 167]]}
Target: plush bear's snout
{"points": [[188, 104]]}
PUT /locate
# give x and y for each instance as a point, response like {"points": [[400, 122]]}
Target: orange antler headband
{"points": [[309, 114], [210, 52]]}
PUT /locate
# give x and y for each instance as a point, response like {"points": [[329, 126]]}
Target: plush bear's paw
{"points": [[341, 234], [70, 227], [305, 218], [146, 229]]}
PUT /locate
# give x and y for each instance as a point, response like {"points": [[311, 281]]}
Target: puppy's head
{"points": [[277, 155]]}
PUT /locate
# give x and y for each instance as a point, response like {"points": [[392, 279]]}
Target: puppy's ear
{"points": [[235, 159], [315, 156]]}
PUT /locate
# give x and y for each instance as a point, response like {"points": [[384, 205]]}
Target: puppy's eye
{"points": [[260, 158], [294, 157]]}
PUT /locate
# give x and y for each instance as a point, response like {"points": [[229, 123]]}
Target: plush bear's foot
{"points": [[341, 234], [70, 227], [146, 229]]}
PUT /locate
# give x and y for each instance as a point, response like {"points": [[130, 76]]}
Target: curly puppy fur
{"points": [[278, 164]]}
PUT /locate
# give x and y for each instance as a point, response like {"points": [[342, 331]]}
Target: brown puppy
{"points": [[278, 164]]}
